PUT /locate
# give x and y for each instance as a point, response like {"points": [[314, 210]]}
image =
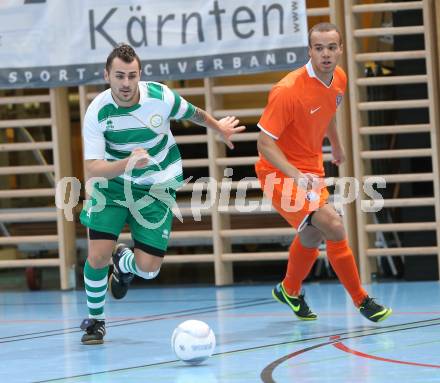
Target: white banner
{"points": [[47, 43]]}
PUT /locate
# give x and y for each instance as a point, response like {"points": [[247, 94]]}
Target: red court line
{"points": [[343, 347]]}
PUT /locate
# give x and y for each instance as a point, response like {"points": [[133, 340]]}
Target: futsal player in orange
{"points": [[299, 114]]}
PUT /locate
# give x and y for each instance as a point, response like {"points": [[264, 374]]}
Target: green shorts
{"points": [[147, 213]]}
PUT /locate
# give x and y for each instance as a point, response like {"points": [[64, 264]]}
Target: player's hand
{"points": [[338, 156], [227, 128], [308, 181], [312, 183], [139, 158]]}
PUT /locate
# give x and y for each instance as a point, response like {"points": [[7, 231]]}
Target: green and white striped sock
{"points": [[127, 264], [95, 281]]}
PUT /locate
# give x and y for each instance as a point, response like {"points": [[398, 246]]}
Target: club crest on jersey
{"points": [[156, 120], [109, 125], [339, 99]]}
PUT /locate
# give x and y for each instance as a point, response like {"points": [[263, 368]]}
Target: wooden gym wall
{"points": [[225, 235]]}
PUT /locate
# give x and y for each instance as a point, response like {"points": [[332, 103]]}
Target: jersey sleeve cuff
{"points": [[93, 157], [267, 132]]}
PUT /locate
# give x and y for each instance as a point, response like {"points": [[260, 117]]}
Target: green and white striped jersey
{"points": [[111, 132]]}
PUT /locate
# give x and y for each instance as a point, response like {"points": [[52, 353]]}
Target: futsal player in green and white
{"points": [[128, 143]]}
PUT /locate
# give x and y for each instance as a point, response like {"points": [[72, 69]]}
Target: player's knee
{"points": [[150, 274], [312, 241], [149, 264], [311, 237], [336, 230], [98, 260]]}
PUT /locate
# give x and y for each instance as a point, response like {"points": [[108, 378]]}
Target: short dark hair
{"points": [[324, 27], [124, 52]]}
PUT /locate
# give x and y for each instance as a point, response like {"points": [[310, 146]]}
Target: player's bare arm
{"points": [[267, 147], [226, 127], [337, 149], [199, 117], [111, 169]]}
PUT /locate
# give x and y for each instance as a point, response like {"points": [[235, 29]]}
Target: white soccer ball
{"points": [[193, 341]]}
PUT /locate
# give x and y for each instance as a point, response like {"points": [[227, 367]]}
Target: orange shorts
{"points": [[293, 203]]}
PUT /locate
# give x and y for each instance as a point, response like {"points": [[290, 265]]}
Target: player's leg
{"points": [[292, 205], [144, 261], [104, 222], [339, 253], [100, 247], [302, 255], [340, 256], [150, 230]]}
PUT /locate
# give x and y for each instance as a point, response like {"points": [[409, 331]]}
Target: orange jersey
{"points": [[297, 115]]}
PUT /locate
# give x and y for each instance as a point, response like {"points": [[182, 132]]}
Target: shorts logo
{"points": [[165, 234], [339, 99], [156, 120]]}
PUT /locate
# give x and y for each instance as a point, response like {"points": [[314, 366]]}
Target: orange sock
{"points": [[301, 260], [342, 260]]}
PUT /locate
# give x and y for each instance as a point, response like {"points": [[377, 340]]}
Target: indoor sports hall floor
{"points": [[258, 339]]}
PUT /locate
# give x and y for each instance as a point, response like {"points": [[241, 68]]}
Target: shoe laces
{"points": [[302, 296], [369, 302], [91, 324]]}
